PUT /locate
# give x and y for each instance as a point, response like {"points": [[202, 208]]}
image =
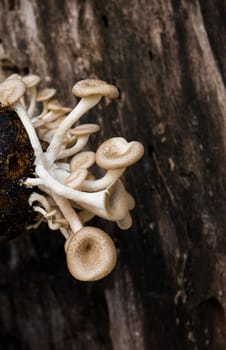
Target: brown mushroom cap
{"points": [[82, 160], [126, 222], [90, 87], [11, 91], [76, 178], [14, 76], [54, 105], [31, 80], [45, 94], [85, 129], [91, 254], [117, 153]]}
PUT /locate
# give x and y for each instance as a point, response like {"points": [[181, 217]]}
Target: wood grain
{"points": [[168, 290]]}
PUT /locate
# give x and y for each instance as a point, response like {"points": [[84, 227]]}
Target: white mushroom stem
{"points": [[52, 115], [80, 143], [82, 107], [44, 109], [33, 94], [110, 203], [68, 212], [34, 140], [36, 197], [64, 232], [61, 174], [32, 182], [109, 178], [46, 135]]}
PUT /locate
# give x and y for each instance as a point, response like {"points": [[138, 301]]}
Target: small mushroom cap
{"points": [[82, 160], [90, 253], [90, 87], [14, 76], [76, 178], [45, 94], [31, 80], [11, 91], [117, 153], [54, 105], [85, 129]]}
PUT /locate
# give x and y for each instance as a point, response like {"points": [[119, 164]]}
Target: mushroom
{"points": [[109, 178], [85, 216], [85, 129], [82, 160], [82, 133], [76, 178], [110, 203], [55, 106], [11, 92], [90, 91], [31, 81], [68, 212], [14, 76], [90, 254], [114, 154], [44, 96], [126, 222], [69, 194], [117, 153]]}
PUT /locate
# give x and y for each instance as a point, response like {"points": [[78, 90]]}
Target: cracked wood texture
{"points": [[168, 290]]}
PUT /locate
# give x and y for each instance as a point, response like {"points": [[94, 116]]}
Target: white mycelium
{"points": [[69, 194]]}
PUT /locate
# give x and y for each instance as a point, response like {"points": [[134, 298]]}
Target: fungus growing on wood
{"points": [[68, 194]]}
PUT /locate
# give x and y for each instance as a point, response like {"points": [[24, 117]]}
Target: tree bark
{"points": [[168, 290]]}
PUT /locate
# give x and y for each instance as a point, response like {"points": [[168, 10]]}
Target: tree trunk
{"points": [[168, 290]]}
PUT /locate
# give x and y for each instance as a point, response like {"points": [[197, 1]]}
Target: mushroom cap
{"points": [[45, 94], [54, 105], [14, 76], [117, 153], [76, 178], [11, 91], [116, 201], [85, 129], [126, 222], [82, 160], [90, 87], [31, 80], [90, 253]]}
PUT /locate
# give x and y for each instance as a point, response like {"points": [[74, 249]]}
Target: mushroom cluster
{"points": [[67, 193]]}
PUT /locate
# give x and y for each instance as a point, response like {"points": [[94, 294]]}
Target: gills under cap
{"points": [[91, 254]]}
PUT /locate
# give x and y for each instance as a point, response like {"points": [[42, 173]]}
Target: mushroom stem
{"points": [[68, 212], [80, 143], [61, 174], [82, 107], [110, 204], [109, 178], [32, 181], [34, 140], [33, 93]]}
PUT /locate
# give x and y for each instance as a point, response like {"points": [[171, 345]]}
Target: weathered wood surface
{"points": [[169, 288]]}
